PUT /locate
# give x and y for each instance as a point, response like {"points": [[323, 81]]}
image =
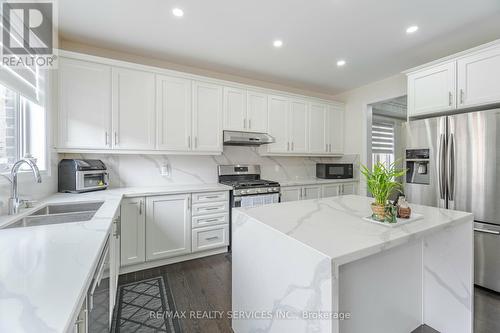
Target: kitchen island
{"points": [[317, 266]]}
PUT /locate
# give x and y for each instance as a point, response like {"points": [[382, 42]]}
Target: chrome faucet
{"points": [[14, 201]]}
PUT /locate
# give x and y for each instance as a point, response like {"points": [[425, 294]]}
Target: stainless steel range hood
{"points": [[237, 138]]}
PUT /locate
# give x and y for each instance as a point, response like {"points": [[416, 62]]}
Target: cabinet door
{"points": [[173, 104], [331, 190], [114, 269], [168, 226], [318, 125], [336, 129], [298, 126], [84, 104], [257, 112], [311, 192], [133, 109], [479, 79], [278, 124], [235, 109], [133, 219], [291, 193], [207, 117], [432, 90], [349, 188]]}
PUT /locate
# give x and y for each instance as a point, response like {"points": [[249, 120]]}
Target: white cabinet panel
{"points": [[168, 226], [432, 90], [207, 117], [132, 239], [336, 130], [318, 127], [311, 192], [210, 197], [173, 104], [349, 188], [291, 193], [331, 190], [235, 109], [278, 124], [479, 79], [209, 238], [209, 220], [298, 126], [257, 112], [133, 109], [84, 104]]}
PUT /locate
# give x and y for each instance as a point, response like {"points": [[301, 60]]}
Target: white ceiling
{"points": [[235, 36]]}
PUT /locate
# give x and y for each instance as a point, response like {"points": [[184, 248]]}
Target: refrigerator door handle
{"points": [[441, 170], [451, 167]]}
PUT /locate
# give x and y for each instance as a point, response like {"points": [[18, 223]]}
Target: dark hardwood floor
{"points": [[197, 285], [205, 285]]}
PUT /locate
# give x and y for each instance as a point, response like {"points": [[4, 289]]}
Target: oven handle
{"points": [[487, 231]]}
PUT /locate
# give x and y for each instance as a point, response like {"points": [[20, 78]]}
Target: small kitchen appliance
{"points": [[334, 170], [77, 176]]}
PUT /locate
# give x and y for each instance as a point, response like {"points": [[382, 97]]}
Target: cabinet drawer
{"points": [[209, 220], [210, 208], [210, 197], [208, 238]]}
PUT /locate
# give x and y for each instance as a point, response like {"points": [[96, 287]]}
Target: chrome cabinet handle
{"points": [[292, 146], [140, 207], [189, 141], [211, 208], [250, 123], [288, 146], [451, 166], [450, 98], [326, 147], [461, 96], [212, 238], [106, 138], [212, 197], [244, 122], [441, 160], [486, 231], [330, 147], [196, 142], [116, 137], [212, 220]]}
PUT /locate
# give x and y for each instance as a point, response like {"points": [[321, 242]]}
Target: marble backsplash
{"points": [[146, 170]]}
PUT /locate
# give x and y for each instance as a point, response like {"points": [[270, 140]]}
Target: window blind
{"points": [[382, 136]]}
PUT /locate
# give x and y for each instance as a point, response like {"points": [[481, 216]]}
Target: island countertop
{"points": [[335, 227]]}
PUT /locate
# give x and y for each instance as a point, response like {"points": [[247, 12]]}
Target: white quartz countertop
{"points": [[315, 181], [45, 271], [335, 226]]}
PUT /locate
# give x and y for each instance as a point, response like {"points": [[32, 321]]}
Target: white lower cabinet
{"points": [[208, 238], [168, 226], [133, 226], [314, 191]]}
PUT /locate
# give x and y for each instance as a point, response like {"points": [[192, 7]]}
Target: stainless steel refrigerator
{"points": [[461, 173]]}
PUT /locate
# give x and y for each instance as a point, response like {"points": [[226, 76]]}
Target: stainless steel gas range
{"points": [[248, 189]]}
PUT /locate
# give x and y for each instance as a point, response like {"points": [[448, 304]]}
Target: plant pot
{"points": [[379, 211]]}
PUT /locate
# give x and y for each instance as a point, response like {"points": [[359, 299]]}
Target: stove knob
{"points": [[276, 189], [243, 192], [269, 189]]}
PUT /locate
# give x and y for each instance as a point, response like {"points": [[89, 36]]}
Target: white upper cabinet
{"points": [[318, 128], [168, 226], [84, 104], [278, 124], [335, 129], [479, 78], [207, 117], [235, 109], [133, 109], [432, 90], [298, 131], [257, 112], [173, 105]]}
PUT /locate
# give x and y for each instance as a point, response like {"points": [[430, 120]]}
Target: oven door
{"points": [[255, 200], [91, 180]]}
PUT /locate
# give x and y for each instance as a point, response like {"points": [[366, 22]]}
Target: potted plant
{"points": [[382, 182]]}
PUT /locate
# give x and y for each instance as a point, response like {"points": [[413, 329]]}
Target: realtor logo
{"points": [[28, 34]]}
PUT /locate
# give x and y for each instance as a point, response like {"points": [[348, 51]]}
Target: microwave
{"points": [[334, 170], [76, 176]]}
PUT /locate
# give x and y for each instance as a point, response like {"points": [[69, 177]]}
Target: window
{"points": [[382, 141], [22, 129]]}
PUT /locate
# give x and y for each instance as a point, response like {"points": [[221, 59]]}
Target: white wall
{"points": [[356, 111]]}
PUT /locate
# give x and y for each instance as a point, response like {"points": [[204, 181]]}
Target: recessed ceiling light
{"points": [[178, 12], [341, 63], [411, 29], [278, 43]]}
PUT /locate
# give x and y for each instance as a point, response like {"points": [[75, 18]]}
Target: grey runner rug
{"points": [[144, 306]]}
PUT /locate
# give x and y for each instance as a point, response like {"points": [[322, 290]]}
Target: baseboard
{"points": [[168, 261]]}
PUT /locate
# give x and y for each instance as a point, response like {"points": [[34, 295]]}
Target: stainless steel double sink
{"points": [[59, 213]]}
